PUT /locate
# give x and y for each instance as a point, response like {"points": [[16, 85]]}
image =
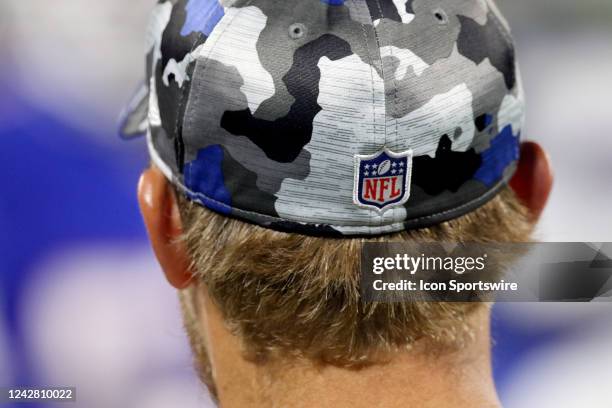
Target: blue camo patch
{"points": [[202, 16], [504, 151], [204, 177], [488, 120], [333, 2]]}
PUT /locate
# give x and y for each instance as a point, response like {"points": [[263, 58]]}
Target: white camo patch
{"points": [[510, 113], [442, 115], [400, 5], [222, 44], [160, 17], [178, 69], [512, 110]]}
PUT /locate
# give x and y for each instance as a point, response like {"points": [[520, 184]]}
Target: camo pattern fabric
{"points": [[258, 108]]}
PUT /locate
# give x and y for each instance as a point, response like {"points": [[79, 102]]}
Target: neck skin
{"points": [[412, 379]]}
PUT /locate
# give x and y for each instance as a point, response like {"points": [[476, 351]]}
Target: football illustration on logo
{"points": [[384, 167]]}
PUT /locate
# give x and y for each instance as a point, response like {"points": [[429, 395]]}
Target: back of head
{"points": [[295, 295]]}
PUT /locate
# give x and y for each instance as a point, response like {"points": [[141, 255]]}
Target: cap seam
{"points": [[182, 106], [382, 65], [371, 60], [384, 79]]}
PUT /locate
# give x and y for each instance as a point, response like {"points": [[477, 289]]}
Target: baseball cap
{"points": [[331, 117]]}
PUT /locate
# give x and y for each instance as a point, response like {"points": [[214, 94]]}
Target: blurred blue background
{"points": [[82, 301]]}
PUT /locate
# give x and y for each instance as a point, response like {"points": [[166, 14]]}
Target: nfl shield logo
{"points": [[382, 180]]}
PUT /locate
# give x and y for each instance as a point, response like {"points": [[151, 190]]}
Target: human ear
{"points": [[162, 219], [533, 180]]}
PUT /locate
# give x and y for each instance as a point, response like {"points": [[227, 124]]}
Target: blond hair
{"points": [[294, 295]]}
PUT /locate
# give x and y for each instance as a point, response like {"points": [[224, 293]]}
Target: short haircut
{"points": [[294, 295]]}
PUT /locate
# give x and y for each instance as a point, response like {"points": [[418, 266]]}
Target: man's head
{"points": [[284, 135]]}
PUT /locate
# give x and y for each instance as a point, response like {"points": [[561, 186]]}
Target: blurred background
{"points": [[82, 301]]}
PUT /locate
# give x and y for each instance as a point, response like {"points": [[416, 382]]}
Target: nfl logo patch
{"points": [[382, 180]]}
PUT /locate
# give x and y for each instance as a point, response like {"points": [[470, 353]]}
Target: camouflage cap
{"points": [[341, 117]]}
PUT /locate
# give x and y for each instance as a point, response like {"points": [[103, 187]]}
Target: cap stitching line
{"points": [[382, 65], [182, 101], [395, 105], [384, 78], [365, 37]]}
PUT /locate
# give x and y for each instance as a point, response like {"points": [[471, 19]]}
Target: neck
{"points": [[412, 378]]}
